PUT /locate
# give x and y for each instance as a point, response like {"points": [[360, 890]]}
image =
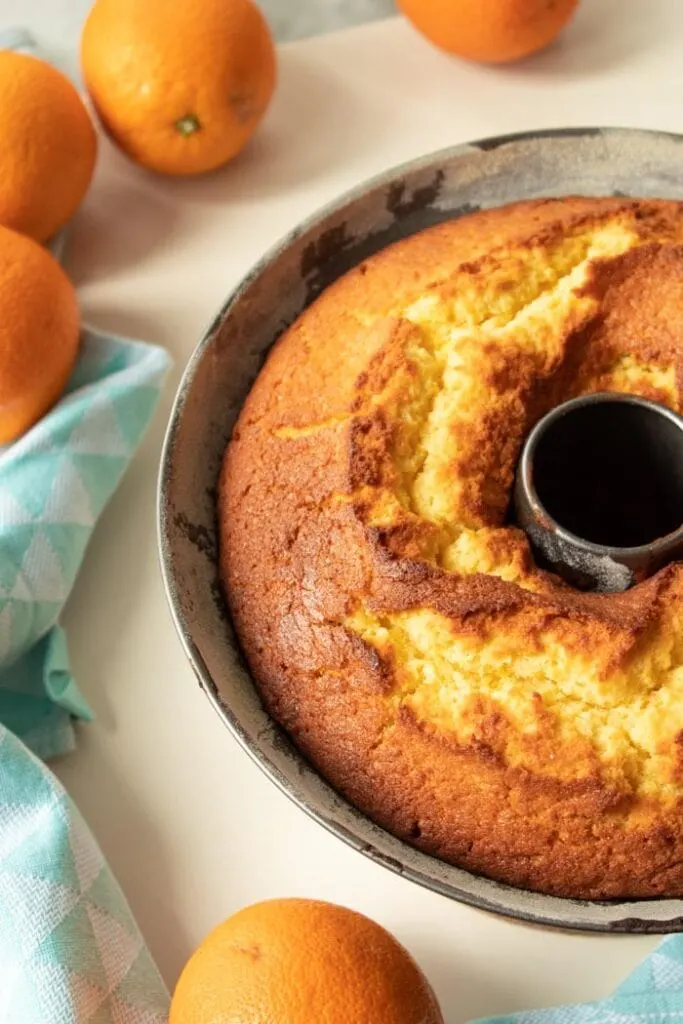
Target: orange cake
{"points": [[392, 615]]}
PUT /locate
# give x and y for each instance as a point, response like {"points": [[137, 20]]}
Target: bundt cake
{"points": [[392, 614]]}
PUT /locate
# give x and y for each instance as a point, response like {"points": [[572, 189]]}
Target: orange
{"points": [[48, 150], [38, 332], [180, 85], [493, 31], [298, 961]]}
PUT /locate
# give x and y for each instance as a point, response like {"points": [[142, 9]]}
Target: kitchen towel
{"points": [[651, 994], [54, 483], [70, 951]]}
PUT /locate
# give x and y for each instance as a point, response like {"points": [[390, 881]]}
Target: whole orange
{"points": [[492, 31], [39, 325], [180, 85], [298, 961], [48, 149]]}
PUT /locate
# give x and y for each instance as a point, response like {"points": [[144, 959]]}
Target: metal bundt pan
{"points": [[588, 161]]}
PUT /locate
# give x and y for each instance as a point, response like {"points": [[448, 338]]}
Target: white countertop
{"points": [[191, 827]]}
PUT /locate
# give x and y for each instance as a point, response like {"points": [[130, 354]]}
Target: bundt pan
{"points": [[451, 183]]}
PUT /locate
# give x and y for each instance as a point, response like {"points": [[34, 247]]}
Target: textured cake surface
{"points": [[394, 621]]}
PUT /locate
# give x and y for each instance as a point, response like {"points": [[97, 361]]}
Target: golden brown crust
{"points": [[397, 627]]}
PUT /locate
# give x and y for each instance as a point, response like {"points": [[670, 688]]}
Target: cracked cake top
{"points": [[394, 620]]}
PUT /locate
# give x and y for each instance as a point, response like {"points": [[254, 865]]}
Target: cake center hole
{"points": [[612, 473]]}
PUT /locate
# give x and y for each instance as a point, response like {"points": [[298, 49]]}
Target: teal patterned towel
{"points": [[652, 994], [70, 951], [54, 483]]}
